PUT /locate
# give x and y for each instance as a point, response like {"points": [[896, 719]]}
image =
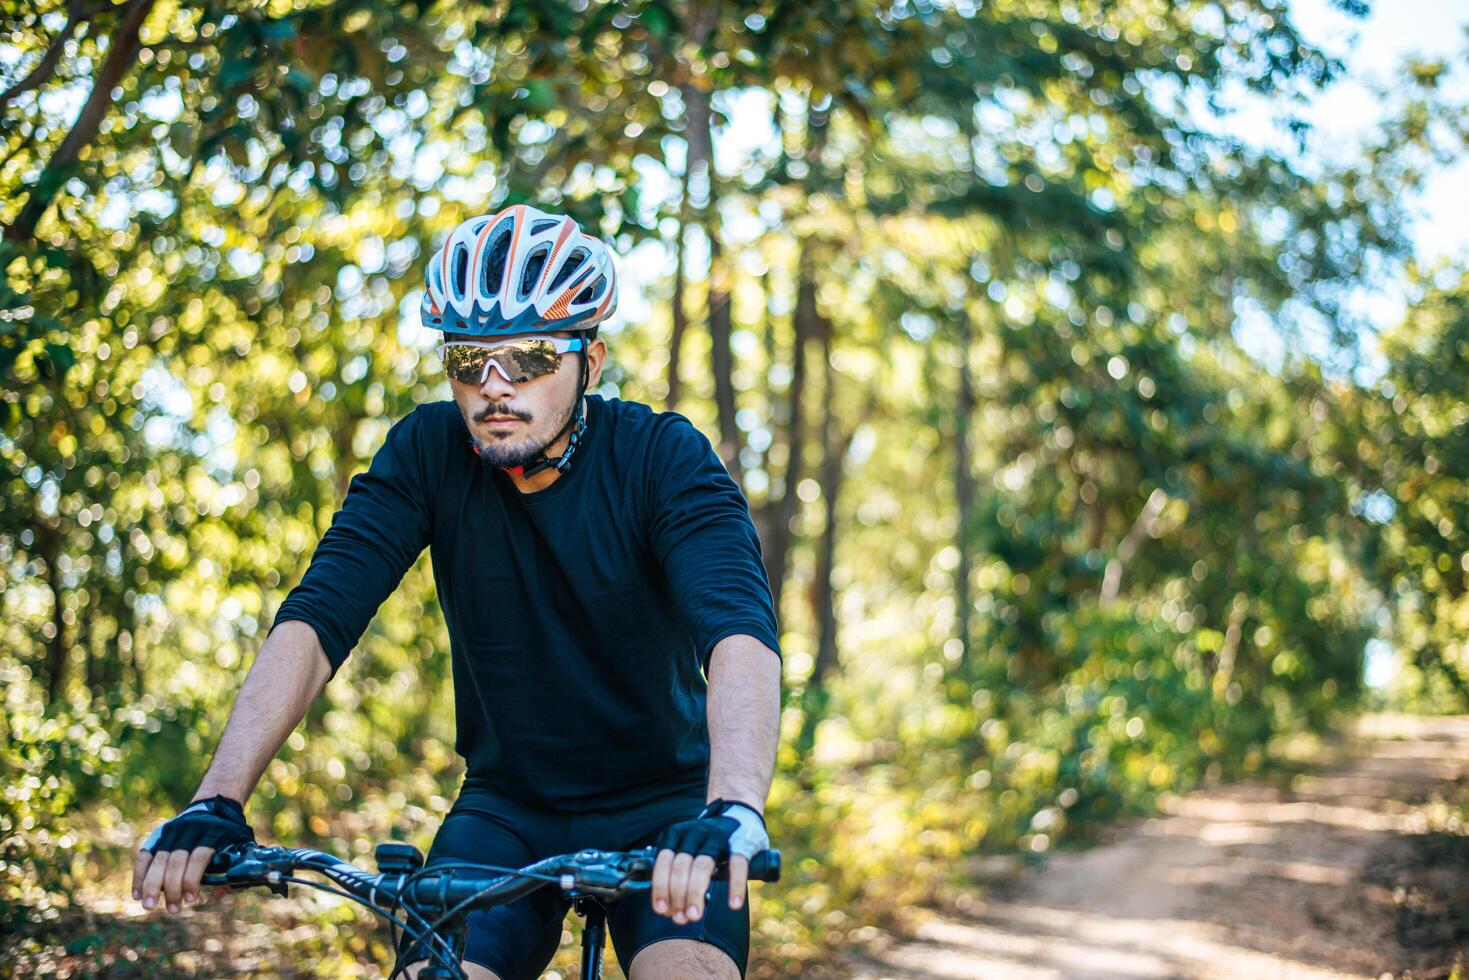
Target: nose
{"points": [[496, 387]]}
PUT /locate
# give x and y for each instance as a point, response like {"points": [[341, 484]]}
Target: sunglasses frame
{"points": [[561, 345]]}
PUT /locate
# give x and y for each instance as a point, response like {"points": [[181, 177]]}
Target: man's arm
{"points": [[286, 677], [744, 720], [744, 729], [383, 525]]}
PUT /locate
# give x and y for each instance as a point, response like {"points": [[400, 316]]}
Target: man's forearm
{"points": [[286, 677], [744, 719]]}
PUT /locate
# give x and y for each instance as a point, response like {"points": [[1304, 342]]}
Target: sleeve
{"points": [[375, 536], [704, 539]]}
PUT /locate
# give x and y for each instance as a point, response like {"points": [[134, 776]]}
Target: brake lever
{"points": [[607, 875], [246, 867]]}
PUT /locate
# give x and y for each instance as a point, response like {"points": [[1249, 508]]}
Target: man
{"points": [[595, 564]]}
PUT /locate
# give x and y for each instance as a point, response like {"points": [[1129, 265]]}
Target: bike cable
{"points": [[427, 932], [447, 916], [444, 958], [431, 929]]}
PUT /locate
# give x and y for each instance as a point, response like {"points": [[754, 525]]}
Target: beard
{"points": [[503, 453]]}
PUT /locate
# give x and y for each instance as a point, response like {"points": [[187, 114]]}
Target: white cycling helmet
{"points": [[516, 271]]}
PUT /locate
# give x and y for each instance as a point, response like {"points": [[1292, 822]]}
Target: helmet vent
{"points": [[544, 224], [535, 264], [592, 291], [461, 269], [573, 262], [494, 267]]}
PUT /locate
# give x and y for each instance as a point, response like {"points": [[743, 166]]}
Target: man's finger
{"points": [[739, 872], [173, 878], [153, 883], [140, 871], [194, 871], [678, 886], [699, 875], [662, 868]]}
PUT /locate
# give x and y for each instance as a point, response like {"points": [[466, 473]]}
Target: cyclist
{"points": [[615, 661]]}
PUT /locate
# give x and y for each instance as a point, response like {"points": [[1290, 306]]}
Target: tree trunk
{"points": [[823, 595], [97, 665], [721, 356], [122, 51], [51, 542], [680, 315], [700, 178], [807, 323], [963, 489], [816, 696]]}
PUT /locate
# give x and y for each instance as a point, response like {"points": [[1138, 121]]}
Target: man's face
{"points": [[512, 423]]}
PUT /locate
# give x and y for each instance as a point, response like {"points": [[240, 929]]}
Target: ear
{"points": [[596, 355]]}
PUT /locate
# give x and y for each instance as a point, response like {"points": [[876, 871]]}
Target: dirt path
{"points": [[1344, 874]]}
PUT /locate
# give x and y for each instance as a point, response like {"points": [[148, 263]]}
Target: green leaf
{"points": [[62, 356], [658, 21]]}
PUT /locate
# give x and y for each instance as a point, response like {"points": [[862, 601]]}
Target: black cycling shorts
{"points": [[518, 940]]}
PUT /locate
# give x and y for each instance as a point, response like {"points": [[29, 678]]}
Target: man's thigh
{"points": [[683, 959], [507, 942], [719, 941]]}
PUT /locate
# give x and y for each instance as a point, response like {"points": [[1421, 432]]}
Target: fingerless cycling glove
{"points": [[216, 822], [722, 828]]}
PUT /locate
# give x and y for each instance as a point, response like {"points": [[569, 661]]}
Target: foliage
{"points": [[1414, 477], [1046, 542]]}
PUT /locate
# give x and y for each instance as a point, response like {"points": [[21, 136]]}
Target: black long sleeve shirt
{"points": [[579, 616]]}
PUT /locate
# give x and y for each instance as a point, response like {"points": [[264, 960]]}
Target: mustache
{"points": [[502, 411]]}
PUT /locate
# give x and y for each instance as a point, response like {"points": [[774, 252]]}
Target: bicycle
{"points": [[436, 900]]}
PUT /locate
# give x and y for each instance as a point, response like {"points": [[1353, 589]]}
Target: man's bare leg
{"points": [[683, 959]]}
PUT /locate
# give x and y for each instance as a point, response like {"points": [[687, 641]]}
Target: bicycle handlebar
{"points": [[604, 874], [438, 897]]}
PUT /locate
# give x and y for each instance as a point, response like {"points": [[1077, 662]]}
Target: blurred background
{"points": [[1097, 372]]}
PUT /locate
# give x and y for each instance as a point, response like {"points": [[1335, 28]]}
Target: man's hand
{"points": [[689, 851], [173, 858]]}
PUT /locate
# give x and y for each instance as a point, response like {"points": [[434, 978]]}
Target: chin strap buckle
{"points": [[561, 462]]}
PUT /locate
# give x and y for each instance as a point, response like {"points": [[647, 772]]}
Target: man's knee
{"points": [[472, 970], [683, 959]]}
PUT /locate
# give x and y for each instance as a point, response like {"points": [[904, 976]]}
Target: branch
{"points": [[122, 49], [1224, 670], [75, 17], [1141, 528], [26, 141]]}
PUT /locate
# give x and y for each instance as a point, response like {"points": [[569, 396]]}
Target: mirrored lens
{"points": [[521, 360]]}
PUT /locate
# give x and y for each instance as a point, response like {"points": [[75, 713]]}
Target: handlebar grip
{"points": [[765, 866]]}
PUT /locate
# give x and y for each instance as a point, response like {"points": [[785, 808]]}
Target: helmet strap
{"points": [[576, 423]]}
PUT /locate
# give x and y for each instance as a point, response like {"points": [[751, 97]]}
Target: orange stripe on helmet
{"points": [[568, 227], [511, 256], [562, 306], [559, 308]]}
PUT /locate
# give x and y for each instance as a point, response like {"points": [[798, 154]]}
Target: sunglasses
{"points": [[517, 361]]}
